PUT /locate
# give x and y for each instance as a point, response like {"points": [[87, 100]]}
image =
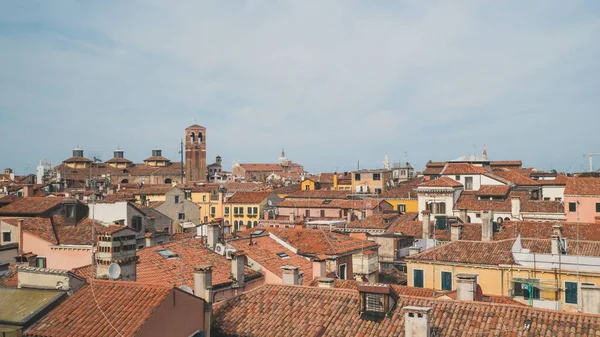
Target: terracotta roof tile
{"points": [[516, 178], [235, 186], [277, 310], [462, 168], [243, 197], [405, 190], [319, 194], [543, 230], [470, 201], [127, 305], [262, 167], [318, 241], [31, 206], [264, 251], [368, 203], [158, 189], [288, 189], [375, 221], [493, 190], [441, 182], [583, 186]]}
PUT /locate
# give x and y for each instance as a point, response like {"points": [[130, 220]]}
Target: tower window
{"points": [[200, 136], [193, 137]]}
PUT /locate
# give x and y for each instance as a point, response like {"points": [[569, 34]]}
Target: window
{"points": [[255, 209], [226, 210], [205, 219], [307, 187], [356, 176], [522, 289], [213, 210], [181, 216], [571, 292], [203, 198], [546, 198], [307, 213], [143, 199], [236, 226], [283, 255], [401, 208], [457, 178], [176, 199], [342, 271], [255, 223], [6, 237], [374, 302], [249, 224], [136, 223], [376, 176], [378, 191], [70, 211], [241, 210], [446, 280], [322, 213], [418, 278], [40, 262], [598, 207], [249, 210], [468, 183], [235, 211], [572, 207]]}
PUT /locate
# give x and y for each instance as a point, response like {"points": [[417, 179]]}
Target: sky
{"points": [[334, 83]]}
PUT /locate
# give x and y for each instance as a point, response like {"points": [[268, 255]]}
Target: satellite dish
{"points": [[114, 271], [187, 289]]}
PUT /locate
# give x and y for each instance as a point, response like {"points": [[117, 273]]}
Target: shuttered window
{"points": [[446, 280], [417, 278], [571, 292]]}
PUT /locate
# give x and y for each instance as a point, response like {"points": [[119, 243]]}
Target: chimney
{"points": [[426, 224], [414, 250], [487, 227], [556, 235], [27, 191], [319, 268], [466, 287], [463, 215], [292, 217], [212, 236], [237, 269], [20, 237], [416, 321], [557, 230], [590, 299], [290, 275], [326, 282], [456, 231], [515, 209], [349, 217], [203, 282]]}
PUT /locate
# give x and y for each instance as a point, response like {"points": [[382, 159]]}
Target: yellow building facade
{"points": [[404, 205], [371, 181]]}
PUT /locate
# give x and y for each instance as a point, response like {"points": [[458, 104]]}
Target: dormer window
{"points": [[376, 301]]}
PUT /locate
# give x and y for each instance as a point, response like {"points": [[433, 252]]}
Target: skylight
{"points": [[258, 232], [167, 254], [326, 202], [283, 255]]}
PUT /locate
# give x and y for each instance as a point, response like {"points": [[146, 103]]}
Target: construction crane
{"points": [[591, 157]]}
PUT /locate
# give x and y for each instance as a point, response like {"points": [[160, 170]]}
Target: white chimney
{"points": [[290, 275], [203, 282], [466, 287], [487, 227], [426, 224], [212, 236], [326, 282], [319, 268], [237, 269], [414, 250], [515, 210], [455, 231], [417, 321]]}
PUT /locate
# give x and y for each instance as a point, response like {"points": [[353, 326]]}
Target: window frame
{"points": [[567, 301], [4, 240], [572, 207], [345, 271], [598, 207], [377, 176], [442, 273], [422, 272], [43, 260], [177, 201], [181, 216]]}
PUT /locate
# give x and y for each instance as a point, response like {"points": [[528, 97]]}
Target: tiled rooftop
{"points": [[127, 305], [375, 221], [264, 251], [405, 190], [462, 168], [582, 186], [246, 197], [262, 167], [493, 190], [318, 194], [277, 310], [441, 182], [318, 241], [31, 206]]}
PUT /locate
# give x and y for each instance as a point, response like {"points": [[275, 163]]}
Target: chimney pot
{"points": [[203, 282], [466, 287], [290, 275], [515, 203], [426, 224], [487, 229], [213, 236], [414, 250], [237, 268], [326, 282], [417, 321], [456, 231]]}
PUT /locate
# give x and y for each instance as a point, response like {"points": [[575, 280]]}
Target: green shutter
{"points": [[418, 278], [571, 292], [446, 280]]}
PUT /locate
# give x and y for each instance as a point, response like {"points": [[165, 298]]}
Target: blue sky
{"points": [[332, 82]]}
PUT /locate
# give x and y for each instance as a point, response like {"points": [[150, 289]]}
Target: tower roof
{"points": [[195, 126]]}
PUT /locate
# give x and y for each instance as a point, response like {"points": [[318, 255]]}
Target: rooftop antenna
{"points": [[591, 159]]}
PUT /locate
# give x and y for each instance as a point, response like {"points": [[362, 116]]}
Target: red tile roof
{"points": [[235, 186], [500, 163], [126, 305], [243, 197], [159, 189], [318, 241], [470, 201], [288, 189], [319, 194], [441, 182], [5, 200], [462, 168], [369, 203], [10, 278], [277, 310], [493, 190], [154, 268], [262, 167], [405, 190], [516, 178], [77, 160], [543, 230], [31, 206], [375, 221], [264, 251], [582, 186]]}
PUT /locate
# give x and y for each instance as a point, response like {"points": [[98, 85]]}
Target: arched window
{"points": [[168, 181], [200, 137], [125, 181], [193, 137], [507, 219], [255, 223], [249, 224], [499, 220], [236, 226]]}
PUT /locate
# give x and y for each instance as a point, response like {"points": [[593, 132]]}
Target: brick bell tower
{"points": [[195, 153]]}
